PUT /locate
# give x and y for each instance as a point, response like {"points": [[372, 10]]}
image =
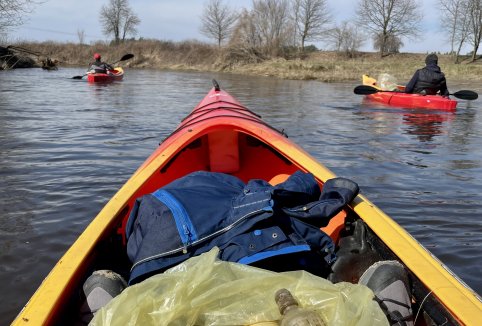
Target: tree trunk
{"points": [[474, 52], [458, 52]]}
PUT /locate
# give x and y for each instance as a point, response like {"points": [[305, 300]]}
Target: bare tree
{"points": [[81, 36], [475, 25], [245, 42], [389, 19], [3, 40], [462, 30], [451, 11], [390, 43], [295, 16], [13, 12], [118, 19], [311, 18], [346, 38], [271, 20], [456, 23], [244, 32], [130, 24], [217, 21]]}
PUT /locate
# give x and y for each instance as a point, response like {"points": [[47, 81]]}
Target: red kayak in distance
{"points": [[110, 76], [406, 100]]}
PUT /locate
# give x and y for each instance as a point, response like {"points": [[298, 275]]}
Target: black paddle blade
{"points": [[127, 57], [77, 77], [365, 90], [466, 95]]}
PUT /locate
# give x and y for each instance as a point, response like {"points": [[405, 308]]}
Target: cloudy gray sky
{"points": [[177, 20]]}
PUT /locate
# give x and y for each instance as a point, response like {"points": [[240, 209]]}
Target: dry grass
{"points": [[193, 55], [331, 67]]}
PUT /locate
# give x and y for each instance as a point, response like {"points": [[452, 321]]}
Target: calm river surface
{"points": [[66, 146]]}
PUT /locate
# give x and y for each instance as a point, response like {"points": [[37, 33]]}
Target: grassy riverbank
{"points": [[194, 56]]}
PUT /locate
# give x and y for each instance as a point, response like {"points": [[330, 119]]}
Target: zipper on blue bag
{"points": [[165, 197], [184, 225]]}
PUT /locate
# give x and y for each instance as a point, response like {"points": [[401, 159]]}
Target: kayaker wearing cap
{"points": [[99, 66], [429, 80]]}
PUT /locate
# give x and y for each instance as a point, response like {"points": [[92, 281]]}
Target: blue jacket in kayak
{"points": [[253, 223]]}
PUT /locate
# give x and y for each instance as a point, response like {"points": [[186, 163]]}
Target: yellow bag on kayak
{"points": [[206, 291]]}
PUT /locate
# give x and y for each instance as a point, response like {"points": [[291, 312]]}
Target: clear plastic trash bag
{"points": [[387, 82], [206, 291]]}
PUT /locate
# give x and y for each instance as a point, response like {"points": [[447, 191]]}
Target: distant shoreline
{"points": [[325, 66]]}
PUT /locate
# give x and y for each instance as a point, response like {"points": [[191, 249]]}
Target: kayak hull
{"points": [[221, 135], [112, 75], [405, 100]]}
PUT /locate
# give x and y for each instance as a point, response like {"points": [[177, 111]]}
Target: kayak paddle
{"points": [[367, 90], [79, 77], [124, 58]]}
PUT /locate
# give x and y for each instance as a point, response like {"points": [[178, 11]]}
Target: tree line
{"points": [[273, 25], [278, 27]]}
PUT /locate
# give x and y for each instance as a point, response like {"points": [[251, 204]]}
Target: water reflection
{"points": [[424, 124]]}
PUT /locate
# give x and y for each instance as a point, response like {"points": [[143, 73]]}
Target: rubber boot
{"points": [[389, 282], [101, 287]]}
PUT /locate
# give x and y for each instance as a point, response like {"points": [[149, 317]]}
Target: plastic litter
{"points": [[387, 82], [206, 291]]}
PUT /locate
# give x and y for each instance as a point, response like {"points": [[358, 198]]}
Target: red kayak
{"points": [[111, 75], [405, 100]]}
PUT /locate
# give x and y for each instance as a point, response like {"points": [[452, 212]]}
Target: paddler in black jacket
{"points": [[429, 80]]}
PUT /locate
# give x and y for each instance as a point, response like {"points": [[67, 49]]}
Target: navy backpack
{"points": [[273, 227]]}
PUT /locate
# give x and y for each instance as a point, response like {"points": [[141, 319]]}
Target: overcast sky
{"points": [[178, 20]]}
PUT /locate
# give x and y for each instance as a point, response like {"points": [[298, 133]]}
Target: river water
{"points": [[66, 146]]}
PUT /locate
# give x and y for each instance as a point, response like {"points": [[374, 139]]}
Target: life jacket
{"points": [[430, 80], [255, 223], [98, 67]]}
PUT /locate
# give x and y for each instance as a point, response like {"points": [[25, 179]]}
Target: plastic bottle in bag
{"points": [[292, 314]]}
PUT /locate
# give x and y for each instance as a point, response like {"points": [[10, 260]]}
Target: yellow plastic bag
{"points": [[206, 291]]}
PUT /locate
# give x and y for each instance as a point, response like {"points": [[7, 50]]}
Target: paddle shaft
{"points": [[124, 58]]}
